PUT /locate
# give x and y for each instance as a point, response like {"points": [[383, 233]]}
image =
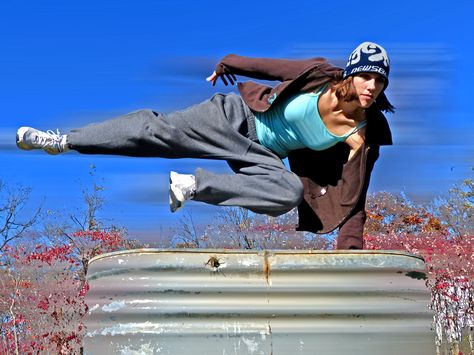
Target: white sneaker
{"points": [[182, 188], [28, 138]]}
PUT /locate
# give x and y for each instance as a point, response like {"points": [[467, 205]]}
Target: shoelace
{"points": [[50, 138]]}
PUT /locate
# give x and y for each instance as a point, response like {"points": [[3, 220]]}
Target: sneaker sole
{"points": [[176, 197]]}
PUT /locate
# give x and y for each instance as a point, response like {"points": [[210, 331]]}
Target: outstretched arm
{"points": [[262, 68]]}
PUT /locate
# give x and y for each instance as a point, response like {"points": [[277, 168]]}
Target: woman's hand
{"points": [[213, 78]]}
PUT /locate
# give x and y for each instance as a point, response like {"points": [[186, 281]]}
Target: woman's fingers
{"points": [[231, 78]]}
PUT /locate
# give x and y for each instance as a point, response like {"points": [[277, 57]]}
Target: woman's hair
{"points": [[345, 90]]}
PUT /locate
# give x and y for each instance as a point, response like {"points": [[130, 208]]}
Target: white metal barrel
{"points": [[153, 301]]}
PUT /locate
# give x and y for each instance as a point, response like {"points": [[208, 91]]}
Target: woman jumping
{"points": [[326, 120]]}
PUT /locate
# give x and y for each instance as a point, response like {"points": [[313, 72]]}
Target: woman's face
{"points": [[368, 87]]}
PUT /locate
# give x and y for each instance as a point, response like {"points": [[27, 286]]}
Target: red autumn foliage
{"points": [[50, 254], [42, 293]]}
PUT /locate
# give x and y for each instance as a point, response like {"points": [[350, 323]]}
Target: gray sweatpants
{"points": [[220, 128]]}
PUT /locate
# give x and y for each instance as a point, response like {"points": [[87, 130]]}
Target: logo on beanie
{"points": [[368, 57], [368, 68]]}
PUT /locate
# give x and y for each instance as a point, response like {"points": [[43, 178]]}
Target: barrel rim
{"points": [[272, 252]]}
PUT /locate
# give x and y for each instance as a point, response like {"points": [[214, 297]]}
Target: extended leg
{"points": [[208, 130]]}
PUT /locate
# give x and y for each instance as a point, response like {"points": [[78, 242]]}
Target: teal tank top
{"points": [[296, 123]]}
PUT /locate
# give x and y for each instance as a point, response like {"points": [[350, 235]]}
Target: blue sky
{"points": [[65, 64]]}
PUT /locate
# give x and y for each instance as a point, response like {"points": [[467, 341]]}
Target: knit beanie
{"points": [[368, 57]]}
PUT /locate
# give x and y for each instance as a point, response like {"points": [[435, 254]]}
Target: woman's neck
{"points": [[349, 109]]}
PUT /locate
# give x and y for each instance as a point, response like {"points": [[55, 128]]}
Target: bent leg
{"points": [[262, 188]]}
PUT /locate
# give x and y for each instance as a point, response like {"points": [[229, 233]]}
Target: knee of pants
{"points": [[292, 192]]}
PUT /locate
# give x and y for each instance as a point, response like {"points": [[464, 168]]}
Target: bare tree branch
{"points": [[13, 223]]}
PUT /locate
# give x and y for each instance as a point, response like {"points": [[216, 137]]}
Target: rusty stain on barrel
{"points": [[154, 301]]}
